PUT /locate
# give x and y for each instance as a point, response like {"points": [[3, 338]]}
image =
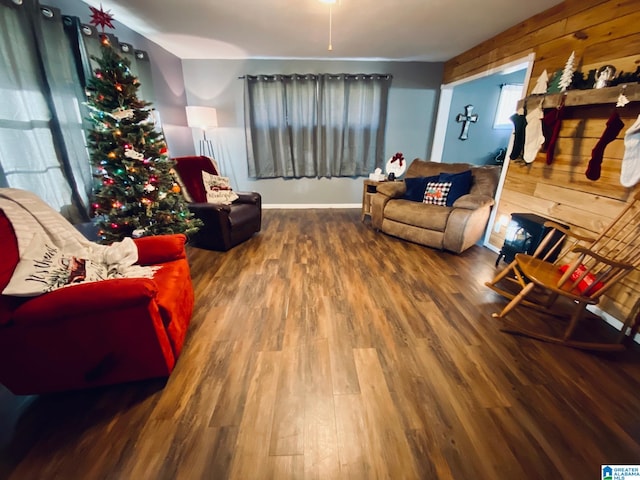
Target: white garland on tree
{"points": [[567, 73]]}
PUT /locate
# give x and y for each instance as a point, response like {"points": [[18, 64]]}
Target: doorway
{"points": [[447, 128]]}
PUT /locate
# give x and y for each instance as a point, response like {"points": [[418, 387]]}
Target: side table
{"points": [[369, 189]]}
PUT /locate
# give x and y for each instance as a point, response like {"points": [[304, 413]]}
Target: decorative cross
{"points": [[467, 118]]}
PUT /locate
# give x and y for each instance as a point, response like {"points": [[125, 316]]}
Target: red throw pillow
{"points": [[586, 281]]}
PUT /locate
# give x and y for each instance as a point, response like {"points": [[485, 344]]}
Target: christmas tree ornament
{"points": [[613, 128], [122, 114], [131, 153], [630, 171], [100, 18], [622, 99]]}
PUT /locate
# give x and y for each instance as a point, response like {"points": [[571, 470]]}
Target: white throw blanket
{"points": [[54, 254]]}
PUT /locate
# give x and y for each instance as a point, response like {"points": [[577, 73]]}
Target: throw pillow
{"points": [[218, 189], [460, 184], [416, 187], [436, 193], [586, 282], [43, 268]]}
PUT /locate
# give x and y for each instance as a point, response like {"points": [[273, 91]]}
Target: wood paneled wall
{"points": [[599, 31]]}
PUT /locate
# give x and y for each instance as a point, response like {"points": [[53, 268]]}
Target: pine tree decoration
{"points": [[541, 85], [567, 73], [136, 193]]}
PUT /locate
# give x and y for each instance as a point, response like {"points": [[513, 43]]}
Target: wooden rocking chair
{"points": [[584, 270]]}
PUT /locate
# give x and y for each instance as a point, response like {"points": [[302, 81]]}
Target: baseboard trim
{"points": [[307, 206], [611, 320]]}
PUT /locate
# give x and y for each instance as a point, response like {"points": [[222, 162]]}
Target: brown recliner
{"points": [[225, 226]]}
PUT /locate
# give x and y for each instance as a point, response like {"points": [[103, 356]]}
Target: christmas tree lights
{"points": [[136, 192]]}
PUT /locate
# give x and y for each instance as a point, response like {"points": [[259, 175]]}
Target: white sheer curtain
{"points": [[42, 146], [315, 125]]}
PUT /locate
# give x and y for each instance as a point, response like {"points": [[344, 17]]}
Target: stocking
{"points": [[614, 125], [533, 135], [630, 172], [519, 123], [551, 123]]}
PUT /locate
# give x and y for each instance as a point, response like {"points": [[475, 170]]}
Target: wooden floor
{"points": [[322, 349]]}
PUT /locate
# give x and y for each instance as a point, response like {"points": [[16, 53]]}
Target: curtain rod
{"points": [[291, 75]]}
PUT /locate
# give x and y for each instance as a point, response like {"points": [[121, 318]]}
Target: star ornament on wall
{"points": [[100, 18]]}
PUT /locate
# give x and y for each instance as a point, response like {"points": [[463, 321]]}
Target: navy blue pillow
{"points": [[416, 187], [460, 184]]}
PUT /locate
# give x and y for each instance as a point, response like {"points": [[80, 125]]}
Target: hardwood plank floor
{"points": [[323, 349]]}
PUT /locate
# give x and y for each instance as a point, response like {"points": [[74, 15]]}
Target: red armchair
{"points": [[99, 333]]}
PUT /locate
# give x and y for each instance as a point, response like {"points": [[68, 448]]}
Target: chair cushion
{"points": [[430, 217], [10, 258]]}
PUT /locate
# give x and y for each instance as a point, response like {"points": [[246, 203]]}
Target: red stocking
{"points": [[614, 125], [551, 123]]}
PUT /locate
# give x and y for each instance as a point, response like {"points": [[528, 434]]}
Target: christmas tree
{"points": [[136, 192]]}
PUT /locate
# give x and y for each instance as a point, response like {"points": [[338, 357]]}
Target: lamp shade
{"points": [[202, 117]]}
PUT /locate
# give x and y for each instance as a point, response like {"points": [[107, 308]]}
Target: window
{"points": [[507, 105], [315, 125]]}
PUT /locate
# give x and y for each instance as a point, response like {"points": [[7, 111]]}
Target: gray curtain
{"points": [[42, 144], [352, 123], [280, 115], [315, 125], [44, 67]]}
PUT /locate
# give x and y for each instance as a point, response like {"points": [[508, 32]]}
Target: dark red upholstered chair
{"points": [[225, 226], [96, 333]]}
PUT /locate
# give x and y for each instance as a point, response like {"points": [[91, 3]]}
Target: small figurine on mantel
{"points": [[604, 75]]}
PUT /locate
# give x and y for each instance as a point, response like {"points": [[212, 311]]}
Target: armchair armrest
{"points": [[80, 300], [473, 201], [248, 197], [201, 210], [160, 249], [392, 189]]}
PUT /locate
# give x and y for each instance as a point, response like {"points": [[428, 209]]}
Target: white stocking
{"points": [[534, 137], [630, 171]]}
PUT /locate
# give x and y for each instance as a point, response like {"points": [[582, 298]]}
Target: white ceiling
{"points": [[423, 30]]}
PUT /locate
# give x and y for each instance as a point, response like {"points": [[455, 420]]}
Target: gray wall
{"points": [[168, 82], [483, 140], [413, 100]]}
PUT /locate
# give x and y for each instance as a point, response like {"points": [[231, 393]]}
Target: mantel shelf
{"points": [[575, 98]]}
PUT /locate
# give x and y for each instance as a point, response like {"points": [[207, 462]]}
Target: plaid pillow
{"points": [[436, 193]]}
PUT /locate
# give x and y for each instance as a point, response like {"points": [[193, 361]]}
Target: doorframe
{"points": [[444, 108]]}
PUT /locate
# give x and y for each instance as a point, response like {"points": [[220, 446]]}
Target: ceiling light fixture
{"points": [[331, 3]]}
